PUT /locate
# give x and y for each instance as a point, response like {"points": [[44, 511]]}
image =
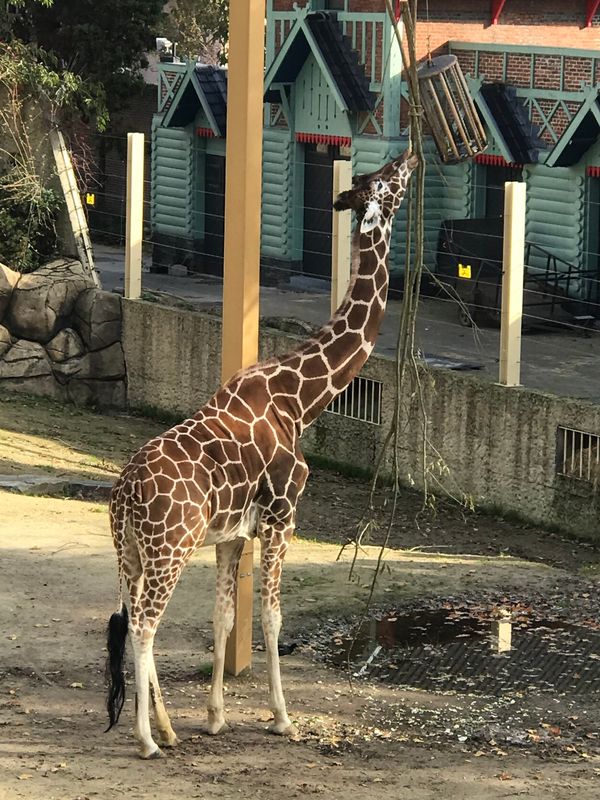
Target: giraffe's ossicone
{"points": [[235, 470]]}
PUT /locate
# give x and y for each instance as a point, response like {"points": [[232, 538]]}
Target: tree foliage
{"points": [[34, 92], [200, 29], [103, 42]]}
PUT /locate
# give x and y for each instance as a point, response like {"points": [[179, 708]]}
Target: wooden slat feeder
{"points": [[449, 109]]}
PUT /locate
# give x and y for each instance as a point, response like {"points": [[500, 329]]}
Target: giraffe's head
{"points": [[376, 197]]}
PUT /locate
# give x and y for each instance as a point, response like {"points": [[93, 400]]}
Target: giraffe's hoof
{"points": [[168, 739], [152, 754], [215, 727], [283, 728]]}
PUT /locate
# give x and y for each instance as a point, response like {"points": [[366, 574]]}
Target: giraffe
{"points": [[234, 471]]}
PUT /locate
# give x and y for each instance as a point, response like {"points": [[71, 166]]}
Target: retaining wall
{"points": [[499, 444]]}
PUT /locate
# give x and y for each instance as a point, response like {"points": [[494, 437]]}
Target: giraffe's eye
{"points": [[379, 186]]}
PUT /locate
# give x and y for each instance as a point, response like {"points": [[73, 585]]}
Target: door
{"points": [[214, 213], [318, 209]]}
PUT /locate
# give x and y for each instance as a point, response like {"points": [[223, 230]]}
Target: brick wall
{"points": [[551, 23]]}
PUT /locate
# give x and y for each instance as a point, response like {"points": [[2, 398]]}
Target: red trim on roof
{"points": [[593, 172], [323, 138], [495, 161], [497, 6], [206, 133], [590, 10]]}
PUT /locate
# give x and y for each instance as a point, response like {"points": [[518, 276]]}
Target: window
{"points": [[360, 400], [578, 454]]}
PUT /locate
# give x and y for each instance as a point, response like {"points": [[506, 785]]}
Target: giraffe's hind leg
{"points": [[147, 611], [228, 559], [166, 734], [274, 543]]}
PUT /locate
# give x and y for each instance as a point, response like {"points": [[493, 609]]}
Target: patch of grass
{"points": [[157, 414], [591, 570], [345, 470]]}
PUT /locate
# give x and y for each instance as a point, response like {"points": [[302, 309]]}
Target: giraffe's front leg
{"points": [[274, 545], [228, 558]]}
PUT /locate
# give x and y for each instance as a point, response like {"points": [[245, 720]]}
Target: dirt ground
{"points": [[58, 587]]}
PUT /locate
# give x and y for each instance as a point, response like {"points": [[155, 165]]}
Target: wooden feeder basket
{"points": [[449, 109]]}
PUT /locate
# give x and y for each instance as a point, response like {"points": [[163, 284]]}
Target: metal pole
{"points": [[243, 183], [513, 269], [341, 236], [134, 216]]}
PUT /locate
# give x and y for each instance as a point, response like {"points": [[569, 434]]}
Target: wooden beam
{"points": [[134, 216], [341, 236], [497, 6], [243, 183], [77, 217], [592, 7], [513, 268]]}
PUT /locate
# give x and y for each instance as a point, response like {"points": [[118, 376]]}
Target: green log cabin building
{"points": [[333, 89]]}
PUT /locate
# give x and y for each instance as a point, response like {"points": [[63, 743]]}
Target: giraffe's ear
{"points": [[371, 217]]}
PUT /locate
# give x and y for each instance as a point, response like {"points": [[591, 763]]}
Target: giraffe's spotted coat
{"points": [[235, 469]]}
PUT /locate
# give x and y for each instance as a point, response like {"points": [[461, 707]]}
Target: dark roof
{"points": [[213, 81], [519, 133], [582, 139], [209, 92], [341, 60]]}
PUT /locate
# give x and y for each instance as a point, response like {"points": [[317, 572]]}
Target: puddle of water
{"points": [[458, 649]]}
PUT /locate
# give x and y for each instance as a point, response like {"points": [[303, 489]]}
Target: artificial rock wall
{"points": [[60, 336]]}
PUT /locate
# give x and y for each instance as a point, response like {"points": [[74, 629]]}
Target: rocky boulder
{"points": [[43, 301], [25, 360], [65, 345], [8, 280], [97, 317], [6, 340]]}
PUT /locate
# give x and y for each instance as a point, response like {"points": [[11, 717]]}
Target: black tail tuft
{"points": [[116, 636]]}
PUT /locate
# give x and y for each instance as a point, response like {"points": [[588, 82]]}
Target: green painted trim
{"points": [[191, 76], [522, 48], [296, 198], [391, 82], [492, 126], [573, 126], [174, 103], [301, 27], [551, 94]]}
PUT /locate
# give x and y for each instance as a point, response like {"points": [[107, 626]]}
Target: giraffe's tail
{"points": [[115, 676]]}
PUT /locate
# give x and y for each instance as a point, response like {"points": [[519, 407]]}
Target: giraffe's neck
{"points": [[335, 355]]}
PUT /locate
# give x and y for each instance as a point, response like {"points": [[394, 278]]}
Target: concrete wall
{"points": [[499, 444]]}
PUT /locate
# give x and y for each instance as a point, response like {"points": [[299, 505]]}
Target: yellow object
{"points": [[243, 180], [90, 199], [464, 270]]}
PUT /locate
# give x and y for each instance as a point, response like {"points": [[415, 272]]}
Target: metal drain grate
{"points": [[451, 650], [361, 400]]}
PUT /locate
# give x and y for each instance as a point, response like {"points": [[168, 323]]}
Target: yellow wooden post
{"points": [[243, 181], [513, 266], [341, 236], [134, 217]]}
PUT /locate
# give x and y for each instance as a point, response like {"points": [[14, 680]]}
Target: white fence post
{"points": [[134, 221], [513, 267], [341, 236]]}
